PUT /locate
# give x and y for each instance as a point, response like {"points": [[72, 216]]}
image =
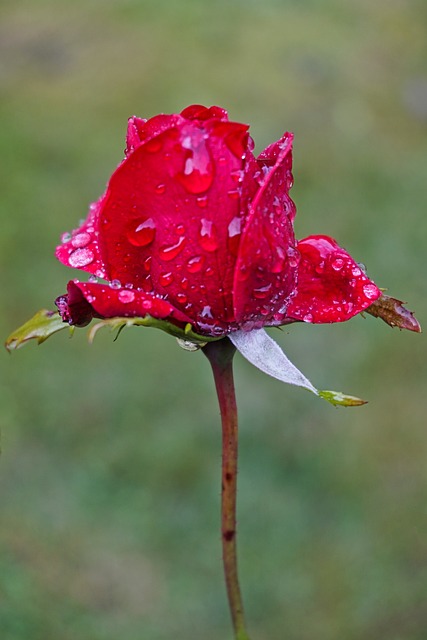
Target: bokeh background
{"points": [[111, 453]]}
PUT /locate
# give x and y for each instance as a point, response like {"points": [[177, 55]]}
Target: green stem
{"points": [[220, 355]]}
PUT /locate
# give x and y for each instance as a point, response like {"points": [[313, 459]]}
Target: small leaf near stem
{"points": [[220, 355]]}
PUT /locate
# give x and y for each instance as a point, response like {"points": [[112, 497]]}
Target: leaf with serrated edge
{"points": [[40, 327], [265, 354]]}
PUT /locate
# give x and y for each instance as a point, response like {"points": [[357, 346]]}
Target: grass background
{"points": [[109, 491]]}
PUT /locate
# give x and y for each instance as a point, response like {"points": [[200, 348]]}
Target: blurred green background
{"points": [[110, 468]]}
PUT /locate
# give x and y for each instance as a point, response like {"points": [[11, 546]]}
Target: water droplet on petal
{"points": [[206, 312], [234, 231], [356, 272], [202, 201], [153, 146], [370, 291], [209, 272], [208, 235], [80, 258], [278, 261], [161, 188], [337, 264], [147, 304], [115, 284], [198, 172], [80, 240], [293, 256], [147, 263], [166, 278], [319, 268], [126, 296], [180, 229], [308, 317], [66, 237], [93, 279], [195, 264], [233, 194], [262, 292], [182, 298], [170, 251], [141, 232]]}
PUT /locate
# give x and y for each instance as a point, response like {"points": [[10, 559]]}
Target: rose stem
{"points": [[220, 355]]}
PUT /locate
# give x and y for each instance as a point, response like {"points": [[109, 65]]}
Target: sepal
{"points": [[393, 313], [119, 323], [40, 327], [265, 354]]}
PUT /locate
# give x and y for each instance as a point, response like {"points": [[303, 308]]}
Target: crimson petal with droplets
{"points": [[332, 287]]}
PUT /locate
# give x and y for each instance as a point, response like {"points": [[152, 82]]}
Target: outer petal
{"points": [[266, 266], [140, 130], [331, 285], [85, 301], [80, 248], [171, 219]]}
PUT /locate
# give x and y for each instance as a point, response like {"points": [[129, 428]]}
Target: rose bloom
{"points": [[193, 228]]}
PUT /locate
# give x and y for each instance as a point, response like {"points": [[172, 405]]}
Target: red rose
{"points": [[194, 228]]}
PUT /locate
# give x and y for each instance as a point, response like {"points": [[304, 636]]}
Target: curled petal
{"points": [[267, 262], [141, 130], [331, 286], [85, 301], [200, 112]]}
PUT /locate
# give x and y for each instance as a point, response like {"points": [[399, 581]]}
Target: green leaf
{"points": [[183, 333], [340, 399], [40, 327]]}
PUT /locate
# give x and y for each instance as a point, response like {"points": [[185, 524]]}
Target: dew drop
{"points": [[80, 258], [233, 194], [206, 312], [198, 172], [147, 304], [184, 283], [202, 201], [180, 229], [66, 237], [356, 272], [262, 292], [208, 235], [93, 279], [209, 272], [160, 188], [126, 296], [308, 317], [182, 298], [153, 146], [170, 251], [141, 232], [147, 263], [370, 291], [319, 268], [293, 256], [234, 231], [80, 240], [166, 279], [115, 284], [278, 261], [337, 264]]}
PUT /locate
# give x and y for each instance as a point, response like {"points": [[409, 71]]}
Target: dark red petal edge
{"points": [[85, 301], [331, 286]]}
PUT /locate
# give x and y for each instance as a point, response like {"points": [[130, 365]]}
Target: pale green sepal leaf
{"points": [[120, 323], [40, 327], [265, 354], [339, 399]]}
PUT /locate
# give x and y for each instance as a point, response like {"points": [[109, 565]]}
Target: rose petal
{"points": [[331, 285], [141, 130], [200, 112], [85, 301], [171, 219], [80, 248], [266, 266]]}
